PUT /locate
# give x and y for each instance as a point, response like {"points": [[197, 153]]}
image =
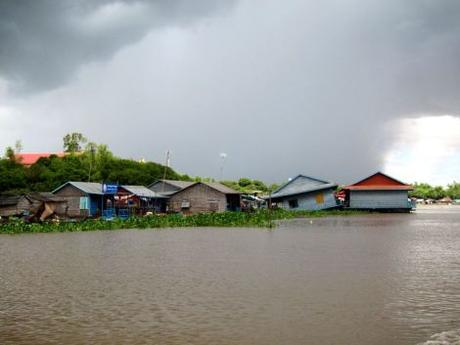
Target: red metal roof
{"points": [[32, 158], [379, 181]]}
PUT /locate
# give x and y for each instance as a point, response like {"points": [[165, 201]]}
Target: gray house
{"points": [[305, 193]]}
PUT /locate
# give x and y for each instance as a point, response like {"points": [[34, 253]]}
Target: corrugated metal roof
{"points": [[142, 191], [10, 200], [214, 185], [302, 184], [175, 183], [85, 187], [379, 181], [221, 188], [377, 187], [45, 196]]}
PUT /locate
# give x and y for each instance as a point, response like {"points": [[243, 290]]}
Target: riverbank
{"points": [[262, 218]]}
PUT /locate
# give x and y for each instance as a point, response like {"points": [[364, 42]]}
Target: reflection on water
{"points": [[377, 279], [444, 338]]}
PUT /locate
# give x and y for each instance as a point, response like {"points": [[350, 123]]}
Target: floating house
{"points": [[169, 187], [305, 193], [84, 199], [139, 200], [202, 197], [379, 192]]}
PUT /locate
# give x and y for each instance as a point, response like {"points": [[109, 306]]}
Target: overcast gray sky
{"points": [[283, 87]]}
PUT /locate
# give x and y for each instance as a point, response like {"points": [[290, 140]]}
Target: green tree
{"points": [[453, 190], [244, 182], [10, 154], [73, 142], [12, 175]]}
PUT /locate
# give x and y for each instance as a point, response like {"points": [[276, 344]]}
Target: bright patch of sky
{"points": [[426, 149]]}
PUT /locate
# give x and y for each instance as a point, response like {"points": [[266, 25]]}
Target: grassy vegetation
{"points": [[261, 218]]}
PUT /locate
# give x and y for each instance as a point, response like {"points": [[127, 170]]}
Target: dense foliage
{"points": [[261, 218], [246, 185], [96, 164], [426, 191]]}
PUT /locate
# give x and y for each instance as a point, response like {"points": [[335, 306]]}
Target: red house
{"points": [[379, 192]]}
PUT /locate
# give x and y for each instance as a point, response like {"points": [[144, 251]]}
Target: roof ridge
{"points": [[378, 173]]}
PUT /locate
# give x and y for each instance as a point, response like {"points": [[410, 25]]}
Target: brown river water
{"points": [[374, 279]]}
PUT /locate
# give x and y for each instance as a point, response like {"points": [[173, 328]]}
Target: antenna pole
{"points": [[167, 165]]}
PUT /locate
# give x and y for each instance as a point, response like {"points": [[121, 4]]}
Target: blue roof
{"points": [[302, 184]]}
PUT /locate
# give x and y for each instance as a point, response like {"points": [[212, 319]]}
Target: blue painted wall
{"points": [[308, 201], [379, 199]]}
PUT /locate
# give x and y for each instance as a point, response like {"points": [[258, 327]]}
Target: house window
{"points": [[293, 203], [185, 204], [319, 198], [84, 203], [213, 205]]}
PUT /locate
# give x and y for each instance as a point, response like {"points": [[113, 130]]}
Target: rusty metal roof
{"points": [[379, 181]]}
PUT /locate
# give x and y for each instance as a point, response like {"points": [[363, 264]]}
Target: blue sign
{"points": [[108, 188]]}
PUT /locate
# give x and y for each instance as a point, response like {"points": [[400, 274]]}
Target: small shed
{"points": [[17, 205], [32, 206], [139, 200], [305, 193], [169, 187], [379, 192], [84, 199], [447, 200], [200, 197], [45, 205]]}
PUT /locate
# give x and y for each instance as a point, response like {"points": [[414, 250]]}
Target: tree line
{"points": [[91, 162], [426, 191], [83, 161], [88, 161]]}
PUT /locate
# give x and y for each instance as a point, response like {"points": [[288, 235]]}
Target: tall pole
{"points": [[270, 209], [223, 156], [167, 165], [91, 159]]}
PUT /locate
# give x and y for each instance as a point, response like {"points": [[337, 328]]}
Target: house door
{"points": [[93, 207]]}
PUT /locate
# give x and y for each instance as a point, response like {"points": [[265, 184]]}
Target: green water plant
{"points": [[261, 218]]}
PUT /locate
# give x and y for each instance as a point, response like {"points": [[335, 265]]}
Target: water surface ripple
{"points": [[377, 279]]}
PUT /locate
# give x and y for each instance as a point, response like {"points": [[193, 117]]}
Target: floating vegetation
{"points": [[261, 218]]}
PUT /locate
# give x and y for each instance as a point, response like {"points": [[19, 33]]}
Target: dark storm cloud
{"points": [[283, 87], [42, 43]]}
